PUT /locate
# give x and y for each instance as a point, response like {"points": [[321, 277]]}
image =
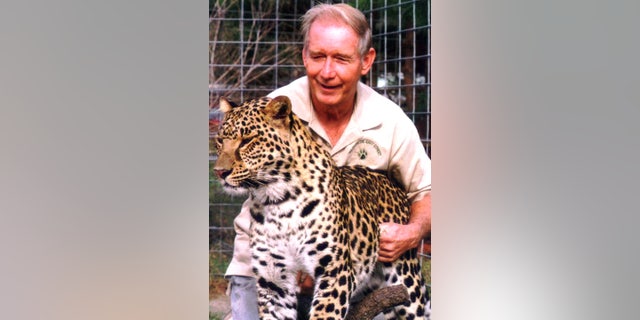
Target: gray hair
{"points": [[341, 12]]}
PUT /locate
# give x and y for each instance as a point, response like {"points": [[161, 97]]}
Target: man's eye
{"points": [[343, 59]]}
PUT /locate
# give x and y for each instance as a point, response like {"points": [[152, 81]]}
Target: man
{"points": [[358, 125]]}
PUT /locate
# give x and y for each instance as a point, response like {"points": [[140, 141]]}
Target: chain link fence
{"points": [[255, 47]]}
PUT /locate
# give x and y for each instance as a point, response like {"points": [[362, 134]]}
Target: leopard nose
{"points": [[222, 173]]}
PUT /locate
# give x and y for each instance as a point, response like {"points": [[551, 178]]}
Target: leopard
{"points": [[310, 215]]}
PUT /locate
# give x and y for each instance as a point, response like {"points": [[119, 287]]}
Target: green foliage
{"points": [[218, 263], [215, 316], [426, 273], [422, 100]]}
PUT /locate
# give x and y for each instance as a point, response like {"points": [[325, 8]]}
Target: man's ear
{"points": [[304, 57], [367, 61], [278, 111]]}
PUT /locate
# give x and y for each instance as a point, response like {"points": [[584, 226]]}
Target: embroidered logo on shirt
{"points": [[362, 154], [364, 148]]}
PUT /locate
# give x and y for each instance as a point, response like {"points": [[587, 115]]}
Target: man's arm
{"points": [[395, 238]]}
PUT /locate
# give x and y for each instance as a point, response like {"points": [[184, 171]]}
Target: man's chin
{"points": [[328, 100]]}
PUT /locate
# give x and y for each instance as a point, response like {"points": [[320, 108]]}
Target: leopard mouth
{"points": [[244, 184]]}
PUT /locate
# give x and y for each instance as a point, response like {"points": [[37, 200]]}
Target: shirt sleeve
{"points": [[408, 161]]}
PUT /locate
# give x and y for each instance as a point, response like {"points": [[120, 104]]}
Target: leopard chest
{"points": [[301, 212]]}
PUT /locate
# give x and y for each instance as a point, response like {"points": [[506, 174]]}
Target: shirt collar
{"points": [[365, 117]]}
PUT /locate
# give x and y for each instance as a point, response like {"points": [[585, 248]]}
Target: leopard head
{"points": [[253, 143]]}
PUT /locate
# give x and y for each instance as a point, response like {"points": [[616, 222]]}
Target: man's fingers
{"points": [[386, 258]]}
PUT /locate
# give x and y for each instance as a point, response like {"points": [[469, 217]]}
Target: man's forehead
{"points": [[332, 37], [328, 23]]}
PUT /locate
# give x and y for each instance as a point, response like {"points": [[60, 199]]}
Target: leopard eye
{"points": [[246, 140]]}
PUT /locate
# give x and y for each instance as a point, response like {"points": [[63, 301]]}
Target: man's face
{"points": [[333, 63]]}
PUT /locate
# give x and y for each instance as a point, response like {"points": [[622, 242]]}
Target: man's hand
{"points": [[395, 239]]}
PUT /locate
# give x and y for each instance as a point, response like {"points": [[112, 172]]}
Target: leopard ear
{"points": [[278, 110], [225, 105]]}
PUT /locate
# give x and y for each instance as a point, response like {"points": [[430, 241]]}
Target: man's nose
{"points": [[328, 69]]}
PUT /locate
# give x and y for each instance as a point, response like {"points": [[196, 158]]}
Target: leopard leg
{"points": [[276, 302], [276, 285], [332, 293], [407, 272]]}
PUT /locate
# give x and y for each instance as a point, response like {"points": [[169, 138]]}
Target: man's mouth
{"points": [[328, 87]]}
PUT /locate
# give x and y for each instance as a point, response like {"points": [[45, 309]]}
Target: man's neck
{"points": [[333, 116], [334, 120]]}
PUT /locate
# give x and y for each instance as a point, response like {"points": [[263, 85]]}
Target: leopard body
{"points": [[310, 215]]}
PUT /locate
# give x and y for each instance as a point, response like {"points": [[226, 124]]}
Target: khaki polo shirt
{"points": [[379, 135]]}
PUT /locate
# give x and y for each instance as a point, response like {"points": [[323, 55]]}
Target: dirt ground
{"points": [[220, 306]]}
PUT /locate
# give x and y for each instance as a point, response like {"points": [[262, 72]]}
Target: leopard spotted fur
{"points": [[309, 215]]}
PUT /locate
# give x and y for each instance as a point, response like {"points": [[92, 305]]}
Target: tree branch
{"points": [[378, 301]]}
